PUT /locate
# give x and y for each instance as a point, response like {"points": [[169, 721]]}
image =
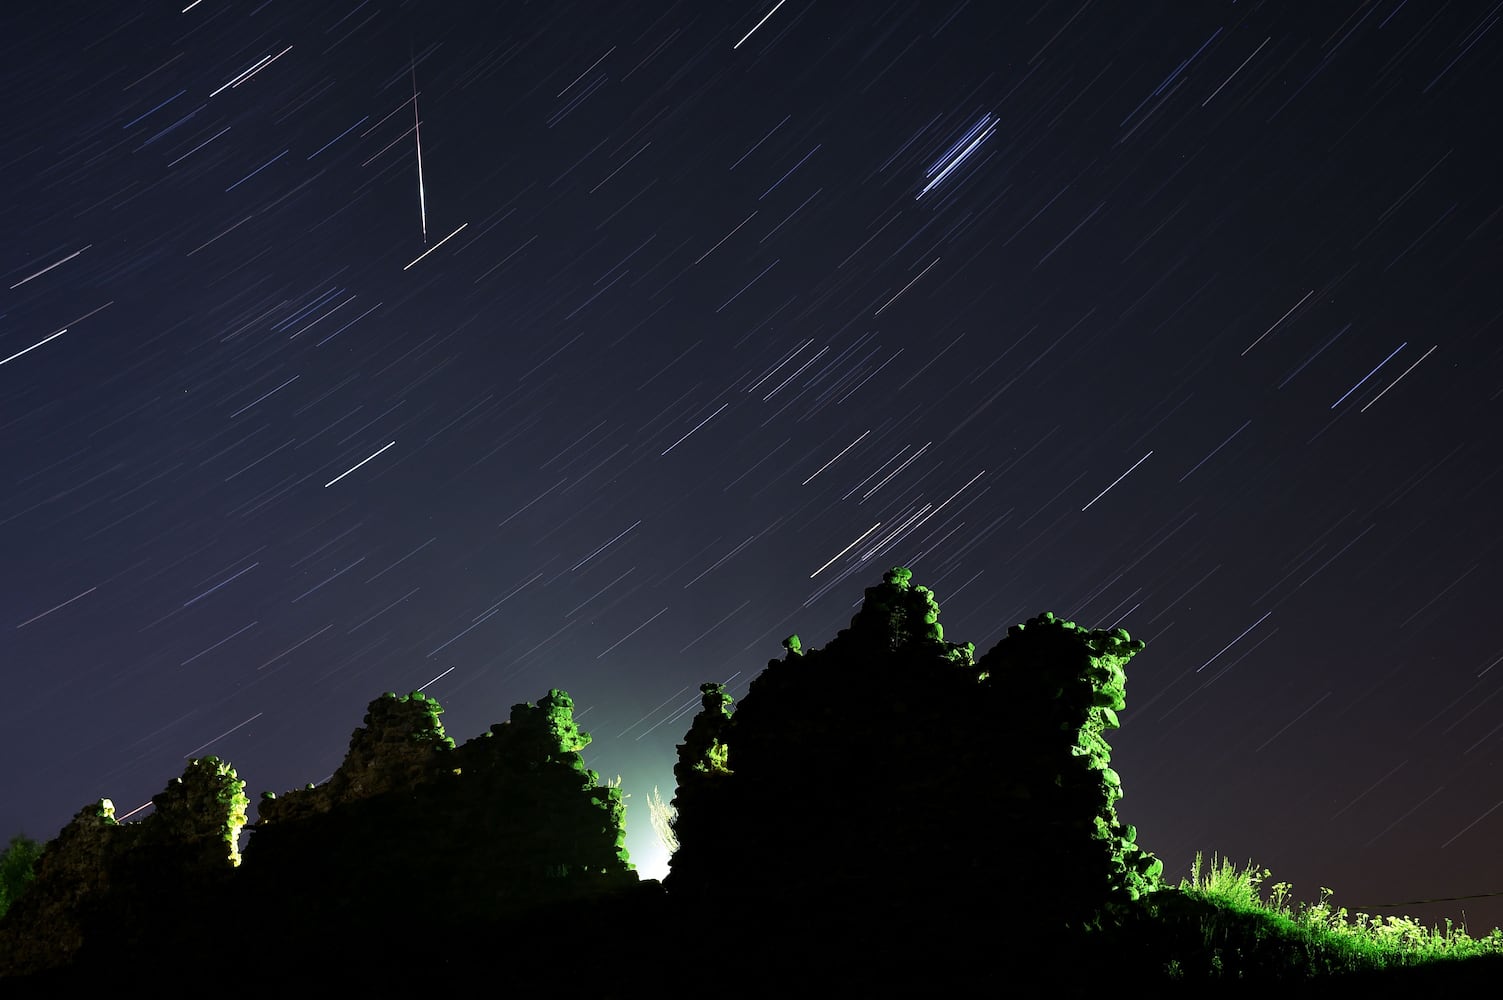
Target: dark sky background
{"points": [[669, 328]]}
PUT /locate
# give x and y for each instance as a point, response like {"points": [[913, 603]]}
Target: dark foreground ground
{"points": [[640, 942]]}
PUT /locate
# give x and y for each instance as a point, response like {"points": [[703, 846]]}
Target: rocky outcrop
{"points": [[411, 824], [98, 874], [888, 795], [1057, 688], [893, 762], [409, 834], [400, 746]]}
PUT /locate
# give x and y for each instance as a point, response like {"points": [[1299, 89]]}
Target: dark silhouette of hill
{"points": [[886, 814]]}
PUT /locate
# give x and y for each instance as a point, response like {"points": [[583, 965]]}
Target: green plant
{"points": [[1316, 938], [17, 869], [662, 814]]}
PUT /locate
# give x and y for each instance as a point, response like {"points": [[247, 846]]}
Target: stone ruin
{"points": [[506, 822], [886, 786], [409, 827], [98, 873], [894, 764]]}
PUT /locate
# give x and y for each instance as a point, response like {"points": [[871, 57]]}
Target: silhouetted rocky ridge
{"points": [[889, 809]]}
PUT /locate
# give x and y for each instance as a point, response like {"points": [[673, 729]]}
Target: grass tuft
{"points": [[1322, 938]]}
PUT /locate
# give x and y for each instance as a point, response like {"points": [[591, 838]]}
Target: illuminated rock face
{"points": [[892, 761]]}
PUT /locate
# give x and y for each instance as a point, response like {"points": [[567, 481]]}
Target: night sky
{"points": [[492, 348]]}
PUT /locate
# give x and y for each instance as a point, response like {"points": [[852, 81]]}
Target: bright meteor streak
{"points": [[50, 336], [222, 735], [843, 551], [418, 136], [759, 23], [436, 246], [358, 464], [1124, 475]]}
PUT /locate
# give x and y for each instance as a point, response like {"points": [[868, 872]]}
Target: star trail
{"points": [[493, 348]]}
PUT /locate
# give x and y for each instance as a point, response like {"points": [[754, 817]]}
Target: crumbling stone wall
{"points": [[196, 820], [1058, 687], [530, 771], [893, 762], [400, 745], [412, 825], [100, 879], [408, 835], [44, 929], [698, 808]]}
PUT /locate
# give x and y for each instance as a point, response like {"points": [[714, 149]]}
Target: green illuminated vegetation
{"points": [[1247, 935], [885, 813], [17, 869]]}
